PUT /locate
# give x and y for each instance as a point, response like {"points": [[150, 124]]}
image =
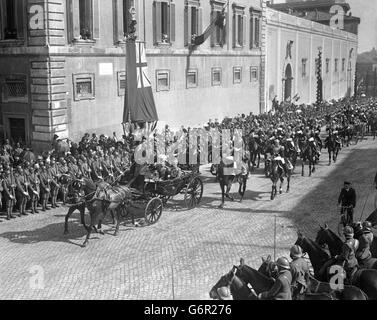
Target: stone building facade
{"points": [[293, 46], [62, 62]]}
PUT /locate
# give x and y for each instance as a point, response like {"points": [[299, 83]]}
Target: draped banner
{"points": [[139, 105]]}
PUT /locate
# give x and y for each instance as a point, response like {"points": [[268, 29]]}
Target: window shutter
{"points": [[20, 16], [156, 22], [187, 26], [172, 22], [213, 33], [234, 30], [244, 31], [96, 19], [200, 21], [223, 34], [251, 32]]}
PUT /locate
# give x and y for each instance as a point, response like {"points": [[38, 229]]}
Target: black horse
{"points": [[80, 192], [277, 173], [333, 147], [256, 148], [366, 280], [307, 154], [315, 288], [226, 175], [327, 236]]}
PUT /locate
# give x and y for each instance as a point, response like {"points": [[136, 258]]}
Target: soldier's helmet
{"points": [[296, 252], [36, 166], [348, 231], [283, 263], [367, 225]]}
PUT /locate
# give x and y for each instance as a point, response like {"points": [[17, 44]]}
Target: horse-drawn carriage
{"points": [[188, 183]]}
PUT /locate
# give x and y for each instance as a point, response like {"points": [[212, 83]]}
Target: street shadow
{"points": [[50, 233], [320, 205]]}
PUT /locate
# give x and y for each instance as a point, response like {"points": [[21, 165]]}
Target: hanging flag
{"points": [[139, 105], [218, 21]]}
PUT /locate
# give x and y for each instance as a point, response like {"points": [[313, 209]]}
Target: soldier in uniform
{"points": [[365, 239], [107, 168], [117, 164], [278, 154], [96, 169], [55, 186], [34, 189], [281, 290], [84, 167], [348, 254], [73, 168], [299, 270], [63, 170], [45, 180], [22, 188], [9, 186]]}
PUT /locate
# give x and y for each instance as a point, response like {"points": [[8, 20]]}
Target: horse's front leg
{"points": [[222, 194], [281, 185], [117, 215], [89, 230], [258, 160], [329, 158], [82, 215], [303, 167], [228, 188], [288, 182], [68, 215]]}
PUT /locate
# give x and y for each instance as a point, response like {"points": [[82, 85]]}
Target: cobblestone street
{"points": [[186, 252]]}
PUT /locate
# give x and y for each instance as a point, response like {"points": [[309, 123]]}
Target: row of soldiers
{"points": [[46, 180]]}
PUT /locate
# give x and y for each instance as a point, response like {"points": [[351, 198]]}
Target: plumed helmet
{"points": [[348, 231], [283, 263], [296, 252], [367, 225]]}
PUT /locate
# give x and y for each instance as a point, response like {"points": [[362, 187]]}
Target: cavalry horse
{"points": [[277, 173], [317, 288], [333, 147], [226, 174], [307, 154], [360, 130], [238, 279], [291, 153], [366, 280], [255, 146], [327, 236]]}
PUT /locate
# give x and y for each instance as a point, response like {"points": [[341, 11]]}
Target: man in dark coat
{"points": [[347, 198]]}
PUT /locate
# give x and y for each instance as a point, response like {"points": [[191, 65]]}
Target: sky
{"points": [[366, 10]]}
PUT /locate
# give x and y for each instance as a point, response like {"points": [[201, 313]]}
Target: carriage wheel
{"points": [[153, 211], [194, 193]]}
